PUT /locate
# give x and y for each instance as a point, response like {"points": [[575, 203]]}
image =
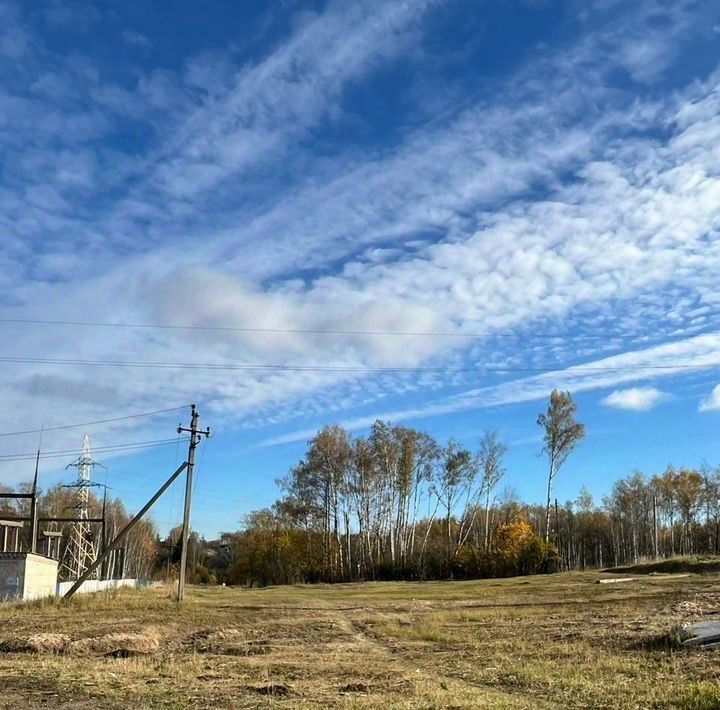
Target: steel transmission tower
{"points": [[81, 551]]}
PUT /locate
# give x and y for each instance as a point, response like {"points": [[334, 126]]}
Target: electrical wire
{"points": [[97, 449], [220, 367], [280, 331], [132, 481], [138, 484], [310, 331], [97, 421]]}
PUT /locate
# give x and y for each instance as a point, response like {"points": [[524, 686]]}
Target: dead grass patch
{"points": [[273, 690], [355, 688], [229, 641], [44, 643], [118, 645]]}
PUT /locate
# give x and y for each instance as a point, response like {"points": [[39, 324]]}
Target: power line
{"points": [[132, 481], [65, 454], [98, 449], [220, 367], [311, 331], [97, 421]]}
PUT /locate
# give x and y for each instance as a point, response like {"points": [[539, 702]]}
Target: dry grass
{"points": [[541, 642], [673, 565]]}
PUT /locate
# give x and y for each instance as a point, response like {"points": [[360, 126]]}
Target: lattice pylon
{"points": [[81, 550]]}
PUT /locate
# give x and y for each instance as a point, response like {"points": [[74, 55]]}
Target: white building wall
{"points": [[26, 576], [94, 585], [40, 576]]}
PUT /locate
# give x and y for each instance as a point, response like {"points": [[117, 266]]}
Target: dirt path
{"points": [[452, 685]]}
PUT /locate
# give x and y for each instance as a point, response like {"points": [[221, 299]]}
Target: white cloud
{"points": [[712, 403], [290, 91], [133, 37], [636, 399]]}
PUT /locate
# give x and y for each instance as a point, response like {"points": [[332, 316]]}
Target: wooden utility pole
{"points": [[655, 528], [103, 534], [195, 436], [558, 536], [34, 508]]}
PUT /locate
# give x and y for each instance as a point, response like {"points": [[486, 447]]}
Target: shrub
{"points": [[516, 550]]}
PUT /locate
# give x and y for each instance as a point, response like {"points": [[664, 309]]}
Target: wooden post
{"points": [[34, 508], [195, 437], [103, 535], [655, 528], [557, 532]]}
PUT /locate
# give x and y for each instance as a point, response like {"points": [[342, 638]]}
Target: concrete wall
{"points": [[40, 576], [24, 575], [95, 585], [12, 574]]}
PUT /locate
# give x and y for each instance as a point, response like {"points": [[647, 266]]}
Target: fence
{"points": [[95, 585]]}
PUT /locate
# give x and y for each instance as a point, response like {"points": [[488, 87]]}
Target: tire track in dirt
{"points": [[393, 651]]}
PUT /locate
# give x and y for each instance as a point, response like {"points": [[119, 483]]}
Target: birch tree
{"points": [[561, 434], [490, 457]]}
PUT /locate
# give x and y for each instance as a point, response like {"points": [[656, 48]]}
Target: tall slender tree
{"points": [[490, 461], [456, 476], [561, 434]]}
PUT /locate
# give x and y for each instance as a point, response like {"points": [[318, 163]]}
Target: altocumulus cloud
{"points": [[491, 217], [636, 399]]}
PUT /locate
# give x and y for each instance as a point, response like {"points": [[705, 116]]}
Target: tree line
{"points": [[397, 504]]}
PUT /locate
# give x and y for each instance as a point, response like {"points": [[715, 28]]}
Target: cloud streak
{"points": [[227, 207], [668, 360]]}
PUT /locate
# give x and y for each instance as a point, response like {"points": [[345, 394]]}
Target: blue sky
{"points": [[521, 195]]}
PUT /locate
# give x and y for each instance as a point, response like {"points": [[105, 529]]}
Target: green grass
{"points": [[539, 642]]}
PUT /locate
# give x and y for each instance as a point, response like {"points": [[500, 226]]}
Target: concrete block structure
{"points": [[25, 575]]}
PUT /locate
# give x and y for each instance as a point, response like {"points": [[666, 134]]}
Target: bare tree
{"points": [[561, 434]]}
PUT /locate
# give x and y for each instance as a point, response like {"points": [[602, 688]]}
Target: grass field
{"points": [[673, 565], [534, 642]]}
